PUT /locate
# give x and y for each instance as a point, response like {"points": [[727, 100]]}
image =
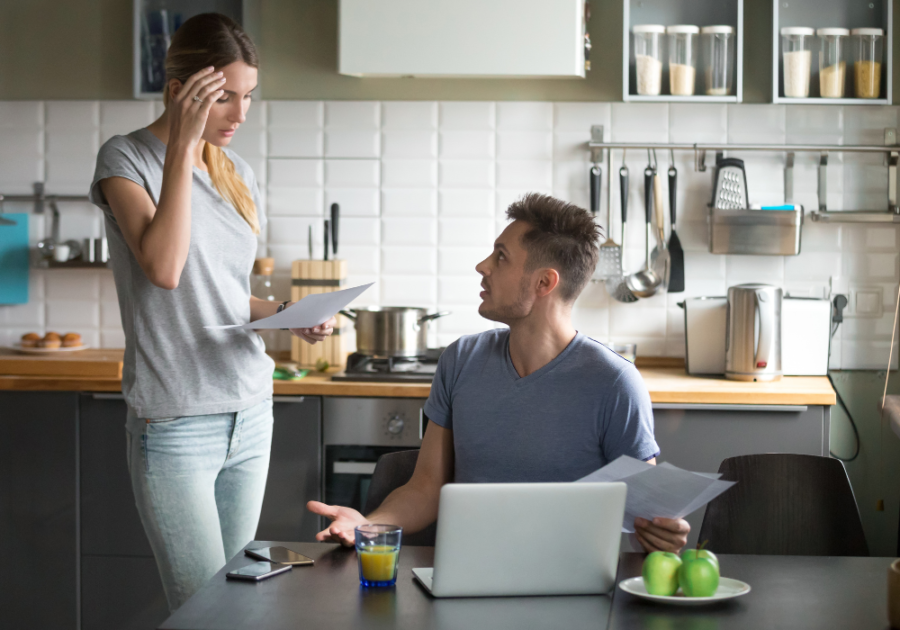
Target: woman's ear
{"points": [[175, 87]]}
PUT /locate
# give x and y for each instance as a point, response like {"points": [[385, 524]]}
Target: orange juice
{"points": [[378, 563]]}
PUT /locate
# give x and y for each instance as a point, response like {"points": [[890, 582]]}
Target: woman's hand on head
{"points": [[316, 334], [187, 115]]}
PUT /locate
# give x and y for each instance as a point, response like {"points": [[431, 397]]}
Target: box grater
{"points": [[731, 185]]}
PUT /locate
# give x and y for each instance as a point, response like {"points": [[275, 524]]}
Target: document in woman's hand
{"points": [[307, 313]]}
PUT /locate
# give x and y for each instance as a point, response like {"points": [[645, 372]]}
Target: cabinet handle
{"points": [[712, 407], [353, 468], [108, 396], [288, 399]]}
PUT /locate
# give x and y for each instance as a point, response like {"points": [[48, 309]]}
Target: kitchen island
{"points": [[68, 511]]}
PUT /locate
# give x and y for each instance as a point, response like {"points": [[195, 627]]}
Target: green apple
{"points": [[692, 554], [660, 572], [699, 577]]}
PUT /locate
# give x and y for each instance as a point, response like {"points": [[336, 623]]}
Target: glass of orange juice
{"points": [[378, 551]]}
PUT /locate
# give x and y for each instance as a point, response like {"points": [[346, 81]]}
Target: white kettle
{"points": [[753, 333]]}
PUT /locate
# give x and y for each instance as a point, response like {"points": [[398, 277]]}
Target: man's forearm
{"points": [[409, 507]]}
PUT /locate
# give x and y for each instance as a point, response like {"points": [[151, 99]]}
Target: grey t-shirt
{"points": [[579, 412], [173, 365]]}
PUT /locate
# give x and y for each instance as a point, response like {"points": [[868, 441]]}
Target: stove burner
{"points": [[419, 369]]}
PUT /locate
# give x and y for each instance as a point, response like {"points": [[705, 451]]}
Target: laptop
{"points": [[503, 539]]}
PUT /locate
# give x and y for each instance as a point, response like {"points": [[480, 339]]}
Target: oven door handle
{"points": [[353, 468]]}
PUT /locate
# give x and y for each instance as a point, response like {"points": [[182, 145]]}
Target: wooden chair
{"points": [[392, 471], [785, 504]]}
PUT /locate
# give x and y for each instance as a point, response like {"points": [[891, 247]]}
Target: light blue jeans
{"points": [[199, 482]]}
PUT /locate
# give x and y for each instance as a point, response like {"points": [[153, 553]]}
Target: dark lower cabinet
{"points": [[294, 471], [38, 484], [121, 594]]}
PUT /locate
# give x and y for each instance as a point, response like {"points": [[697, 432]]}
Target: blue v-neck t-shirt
{"points": [[579, 412]]}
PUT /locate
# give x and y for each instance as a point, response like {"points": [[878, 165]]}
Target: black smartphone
{"points": [[258, 571], [281, 555]]}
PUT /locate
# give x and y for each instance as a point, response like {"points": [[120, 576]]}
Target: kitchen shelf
{"points": [[168, 15], [669, 12], [72, 264], [847, 14]]}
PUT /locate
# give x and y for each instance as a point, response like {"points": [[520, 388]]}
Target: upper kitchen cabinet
{"points": [[462, 38], [683, 50], [155, 21], [832, 51]]}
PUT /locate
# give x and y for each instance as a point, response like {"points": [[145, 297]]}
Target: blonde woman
{"points": [[182, 215]]}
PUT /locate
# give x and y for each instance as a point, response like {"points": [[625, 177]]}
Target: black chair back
{"points": [[392, 471], [785, 504]]}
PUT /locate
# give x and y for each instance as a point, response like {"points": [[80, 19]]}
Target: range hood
{"points": [[462, 38]]}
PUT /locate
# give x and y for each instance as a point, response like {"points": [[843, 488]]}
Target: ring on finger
{"points": [[198, 99]]}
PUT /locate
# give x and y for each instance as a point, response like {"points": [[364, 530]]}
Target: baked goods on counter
{"points": [[30, 340], [71, 340]]}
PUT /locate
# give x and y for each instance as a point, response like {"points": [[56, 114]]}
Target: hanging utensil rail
{"points": [[890, 149]]}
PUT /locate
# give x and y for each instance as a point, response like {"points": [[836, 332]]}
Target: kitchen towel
{"points": [[14, 260]]}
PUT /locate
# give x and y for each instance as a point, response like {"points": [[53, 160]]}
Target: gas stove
{"points": [[362, 367]]}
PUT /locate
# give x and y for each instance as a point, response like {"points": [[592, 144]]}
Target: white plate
{"points": [[728, 589], [19, 348]]}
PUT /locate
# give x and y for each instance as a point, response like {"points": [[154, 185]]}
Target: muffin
{"points": [[30, 340], [71, 340], [51, 340]]}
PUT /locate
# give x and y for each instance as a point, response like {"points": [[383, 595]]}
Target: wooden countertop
{"points": [[666, 381]]}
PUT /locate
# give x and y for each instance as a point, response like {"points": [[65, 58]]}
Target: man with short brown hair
{"points": [[536, 402]]}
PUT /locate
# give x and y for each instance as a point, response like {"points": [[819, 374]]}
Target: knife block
{"points": [[309, 277]]}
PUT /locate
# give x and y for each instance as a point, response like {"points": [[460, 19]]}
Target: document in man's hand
{"points": [[664, 490], [309, 312]]}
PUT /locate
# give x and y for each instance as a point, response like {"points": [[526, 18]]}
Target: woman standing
{"points": [[182, 215]]}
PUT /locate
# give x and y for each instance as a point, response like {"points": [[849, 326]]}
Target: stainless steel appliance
{"points": [[753, 333], [391, 331], [356, 432]]}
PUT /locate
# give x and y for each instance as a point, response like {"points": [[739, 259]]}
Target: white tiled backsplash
{"points": [[423, 187]]}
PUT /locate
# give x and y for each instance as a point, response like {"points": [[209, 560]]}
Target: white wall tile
{"points": [[633, 320], [460, 289], [466, 232], [871, 267], [73, 284], [353, 202], [30, 314], [294, 231], [123, 117], [400, 260], [567, 175], [530, 174], [571, 145], [525, 145], [300, 143], [409, 115], [342, 143], [72, 114], [466, 203], [359, 231], [417, 291], [247, 143], [284, 201], [466, 116], [305, 114], [21, 114], [352, 173], [461, 260], [409, 173], [765, 269], [463, 320], [466, 174], [467, 144], [296, 173], [867, 239], [112, 338], [352, 115], [756, 124], [812, 124], [526, 116], [812, 266], [409, 144], [70, 315], [409, 202], [409, 231], [360, 259], [284, 255], [110, 316], [865, 124], [639, 122], [693, 122], [580, 117]]}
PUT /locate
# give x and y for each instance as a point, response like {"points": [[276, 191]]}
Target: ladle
{"points": [[646, 282]]}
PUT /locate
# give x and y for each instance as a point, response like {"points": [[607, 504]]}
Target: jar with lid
{"points": [[796, 48], [648, 58], [682, 58], [832, 67], [867, 61], [717, 59]]}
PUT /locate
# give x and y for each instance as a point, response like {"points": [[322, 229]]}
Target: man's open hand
{"points": [[662, 534], [343, 521]]}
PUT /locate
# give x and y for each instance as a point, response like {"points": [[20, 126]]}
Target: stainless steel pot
{"points": [[392, 331]]}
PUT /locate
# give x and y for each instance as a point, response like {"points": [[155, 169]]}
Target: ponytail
{"points": [[230, 185]]}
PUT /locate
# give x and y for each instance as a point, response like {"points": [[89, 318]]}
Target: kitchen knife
{"points": [[596, 177], [309, 242], [327, 231], [335, 213]]}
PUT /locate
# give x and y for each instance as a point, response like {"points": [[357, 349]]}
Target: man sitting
{"points": [[535, 402]]}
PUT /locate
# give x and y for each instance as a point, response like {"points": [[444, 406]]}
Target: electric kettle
{"points": [[753, 333]]}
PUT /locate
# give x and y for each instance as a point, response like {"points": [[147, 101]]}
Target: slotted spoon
{"points": [[609, 263]]}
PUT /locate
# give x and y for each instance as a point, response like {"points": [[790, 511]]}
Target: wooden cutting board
{"points": [[85, 363]]}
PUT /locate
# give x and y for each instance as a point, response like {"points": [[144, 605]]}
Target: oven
{"points": [[356, 432]]}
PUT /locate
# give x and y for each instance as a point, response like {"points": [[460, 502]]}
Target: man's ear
{"points": [[548, 280]]}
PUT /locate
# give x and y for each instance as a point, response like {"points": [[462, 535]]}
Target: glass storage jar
{"points": [[867, 61], [682, 58], [832, 66], [717, 59], [648, 58], [796, 48]]}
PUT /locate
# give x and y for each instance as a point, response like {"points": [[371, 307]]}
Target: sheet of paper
{"points": [[309, 312], [664, 490]]}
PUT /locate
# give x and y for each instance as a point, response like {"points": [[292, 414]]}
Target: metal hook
{"points": [[671, 156], [651, 159]]}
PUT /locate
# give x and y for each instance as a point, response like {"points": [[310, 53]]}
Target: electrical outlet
{"points": [[865, 302]]}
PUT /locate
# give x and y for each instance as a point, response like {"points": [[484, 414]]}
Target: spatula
{"points": [[610, 260], [676, 253]]}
